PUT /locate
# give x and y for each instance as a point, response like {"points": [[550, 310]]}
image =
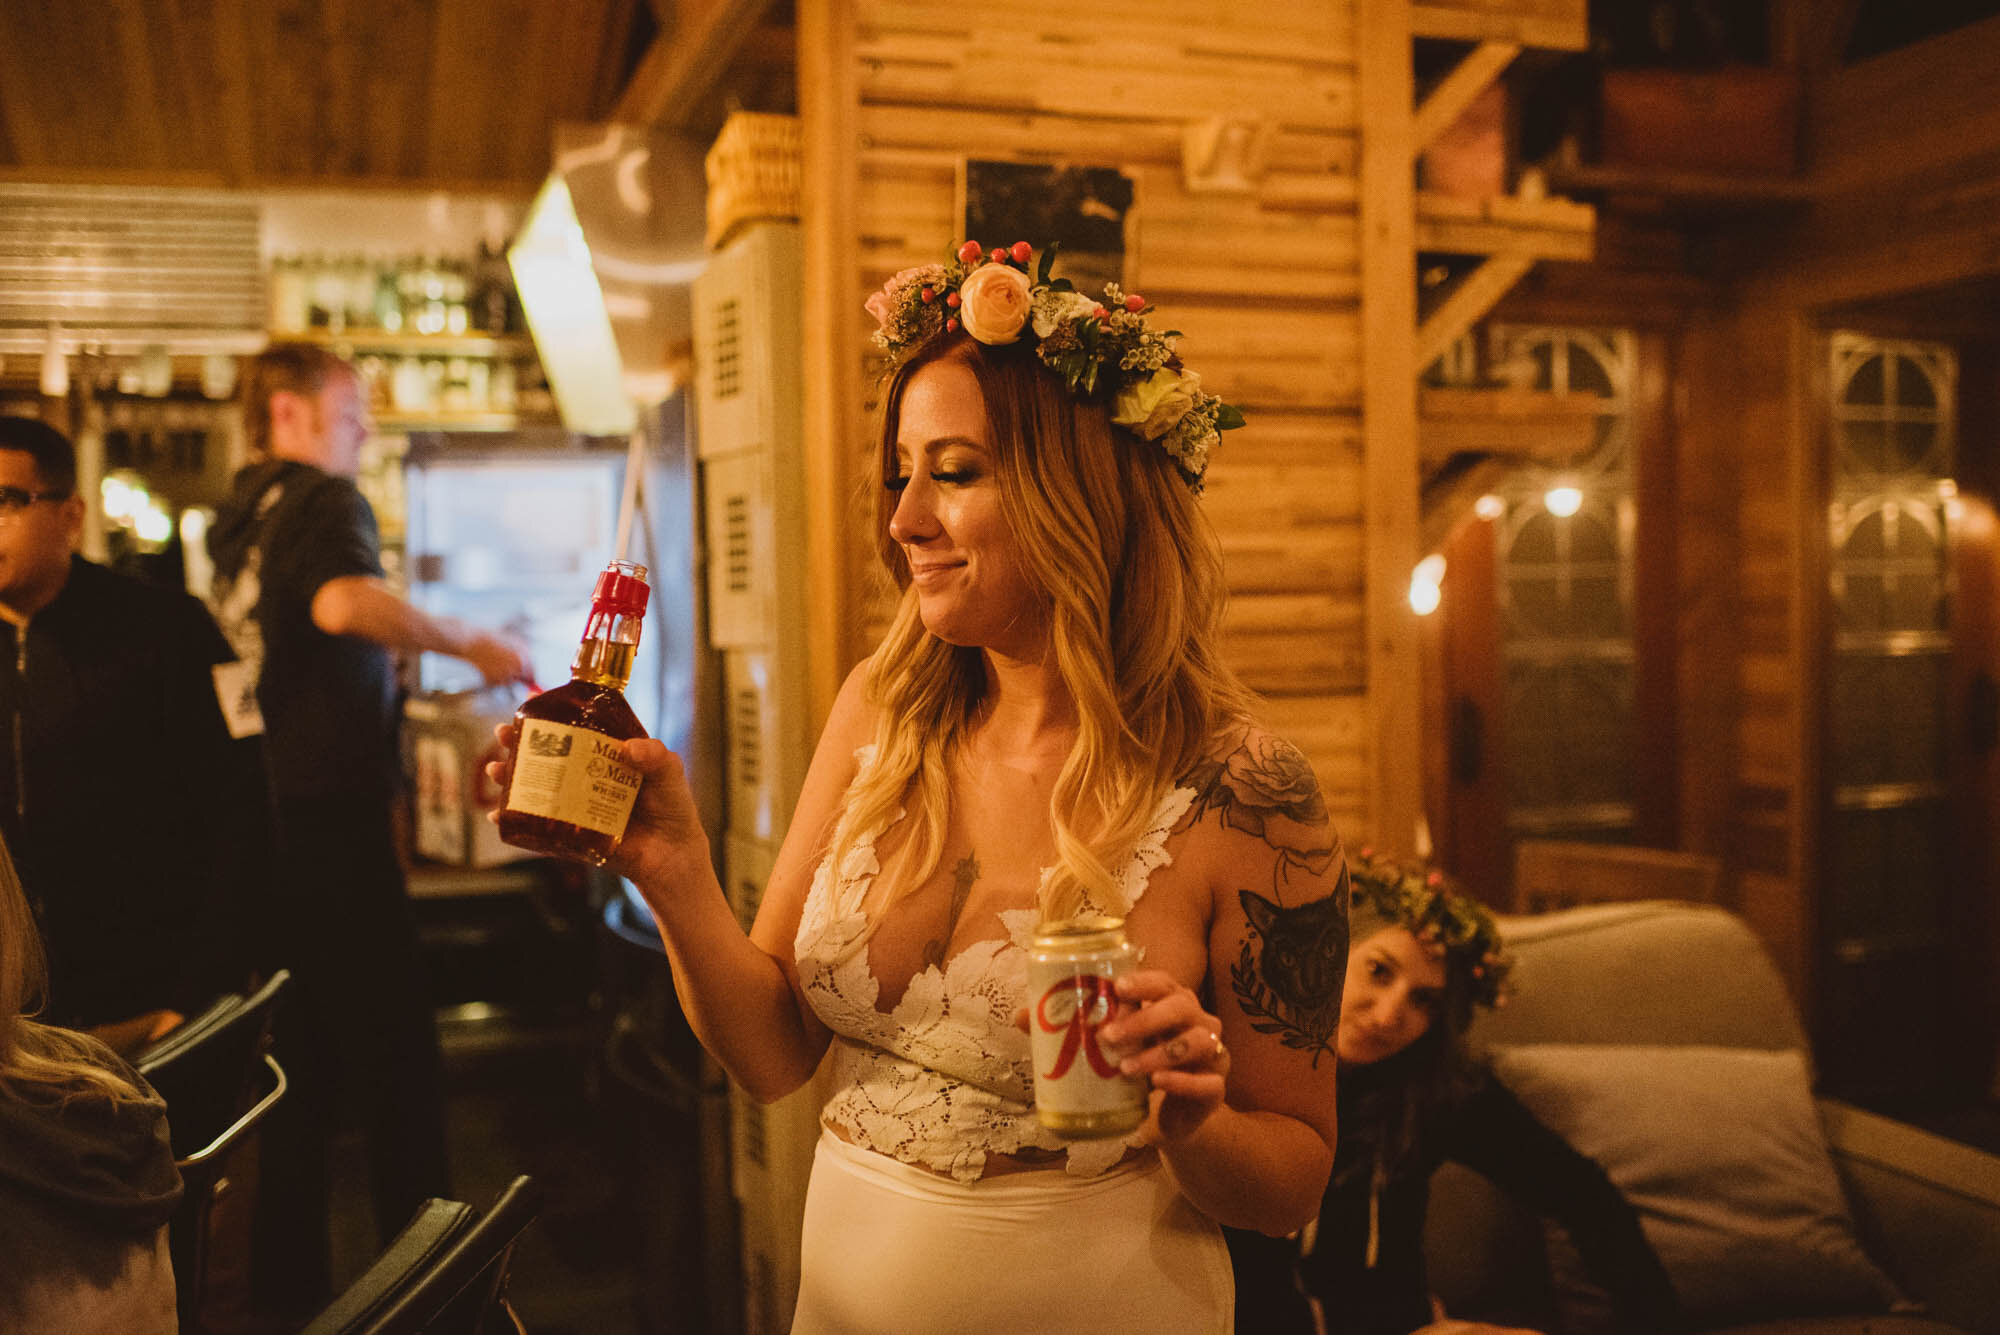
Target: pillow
{"points": [[1720, 1152]]}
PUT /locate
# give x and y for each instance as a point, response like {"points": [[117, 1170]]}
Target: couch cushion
{"points": [[1720, 1151], [1843, 1325], [1641, 973]]}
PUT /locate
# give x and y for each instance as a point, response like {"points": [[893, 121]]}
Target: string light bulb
{"points": [[1563, 501], [1426, 585]]}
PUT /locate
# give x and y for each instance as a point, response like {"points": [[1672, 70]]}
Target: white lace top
{"points": [[943, 1079]]}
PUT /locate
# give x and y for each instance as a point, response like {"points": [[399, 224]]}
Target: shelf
{"points": [[405, 422], [1557, 25], [1681, 190], [1522, 424], [434, 345], [1533, 229]]}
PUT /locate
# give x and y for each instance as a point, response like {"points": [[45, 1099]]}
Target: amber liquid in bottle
{"points": [[565, 796]]}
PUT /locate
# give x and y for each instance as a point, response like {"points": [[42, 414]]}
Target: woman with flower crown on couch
{"points": [[1046, 731], [1410, 1099]]}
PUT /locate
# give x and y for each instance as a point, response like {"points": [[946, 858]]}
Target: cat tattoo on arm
{"points": [[1292, 986], [1292, 969]]}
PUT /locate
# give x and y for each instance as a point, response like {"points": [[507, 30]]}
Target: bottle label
{"points": [[573, 775]]}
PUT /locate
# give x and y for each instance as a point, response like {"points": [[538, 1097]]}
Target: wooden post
{"points": [[829, 99], [1389, 419]]}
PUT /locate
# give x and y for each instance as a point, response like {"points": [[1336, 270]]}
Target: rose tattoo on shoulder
{"points": [[1265, 788]]}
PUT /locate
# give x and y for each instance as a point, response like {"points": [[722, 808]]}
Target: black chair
{"points": [[445, 1273], [219, 1081]]}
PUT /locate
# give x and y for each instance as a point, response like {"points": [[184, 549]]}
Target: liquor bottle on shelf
{"points": [[490, 284], [289, 296], [327, 308], [388, 301], [570, 796], [456, 313]]}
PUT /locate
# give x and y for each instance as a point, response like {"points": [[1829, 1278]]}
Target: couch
{"points": [[1622, 1020]]}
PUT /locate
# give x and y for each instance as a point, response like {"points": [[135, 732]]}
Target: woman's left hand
{"points": [[1169, 1039]]}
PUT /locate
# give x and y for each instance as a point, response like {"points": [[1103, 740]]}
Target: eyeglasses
{"points": [[13, 500]]}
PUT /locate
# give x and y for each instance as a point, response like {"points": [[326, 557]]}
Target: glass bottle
{"points": [[570, 796]]}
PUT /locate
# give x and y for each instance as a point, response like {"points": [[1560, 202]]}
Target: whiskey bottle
{"points": [[570, 796]]}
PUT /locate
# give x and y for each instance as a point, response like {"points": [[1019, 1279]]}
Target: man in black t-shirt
{"points": [[299, 591]]}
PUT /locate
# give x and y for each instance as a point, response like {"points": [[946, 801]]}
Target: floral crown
{"points": [[1438, 912], [1099, 348]]}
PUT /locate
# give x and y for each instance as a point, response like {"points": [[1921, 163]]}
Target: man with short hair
{"points": [[299, 589], [139, 824]]}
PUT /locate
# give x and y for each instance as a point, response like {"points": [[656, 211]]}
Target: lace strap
{"points": [[1151, 853]]}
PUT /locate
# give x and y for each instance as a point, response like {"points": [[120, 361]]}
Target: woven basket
{"points": [[753, 172]]}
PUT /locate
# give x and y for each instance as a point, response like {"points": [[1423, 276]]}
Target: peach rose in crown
{"points": [[994, 303], [1151, 406]]}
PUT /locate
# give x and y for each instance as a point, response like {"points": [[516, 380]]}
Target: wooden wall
{"points": [[1264, 284]]}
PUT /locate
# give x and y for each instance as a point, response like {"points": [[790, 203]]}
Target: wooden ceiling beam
{"points": [[685, 63], [1456, 91]]}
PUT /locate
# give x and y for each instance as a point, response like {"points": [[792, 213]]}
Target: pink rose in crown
{"points": [[996, 300], [882, 304]]}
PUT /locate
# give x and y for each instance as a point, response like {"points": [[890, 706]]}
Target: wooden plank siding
{"points": [[1264, 284]]}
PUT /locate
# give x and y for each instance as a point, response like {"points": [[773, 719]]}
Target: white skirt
{"points": [[893, 1250]]}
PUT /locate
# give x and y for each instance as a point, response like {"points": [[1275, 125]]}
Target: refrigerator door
{"points": [[508, 534]]}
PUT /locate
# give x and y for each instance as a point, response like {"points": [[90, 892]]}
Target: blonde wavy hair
{"points": [[1132, 580], [39, 1058]]}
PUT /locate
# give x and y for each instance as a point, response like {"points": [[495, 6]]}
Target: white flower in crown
{"points": [[994, 301], [1052, 307], [1155, 405]]}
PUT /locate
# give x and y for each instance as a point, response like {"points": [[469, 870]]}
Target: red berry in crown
{"points": [[929, 294], [999, 254], [1021, 251], [970, 252], [1134, 302], [952, 299]]}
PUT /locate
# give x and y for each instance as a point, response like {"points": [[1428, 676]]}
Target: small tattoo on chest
{"points": [[963, 876]]}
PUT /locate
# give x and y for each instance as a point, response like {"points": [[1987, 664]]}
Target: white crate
{"points": [[748, 341]]}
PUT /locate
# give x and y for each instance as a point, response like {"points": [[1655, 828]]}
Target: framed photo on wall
{"points": [[1084, 210]]}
